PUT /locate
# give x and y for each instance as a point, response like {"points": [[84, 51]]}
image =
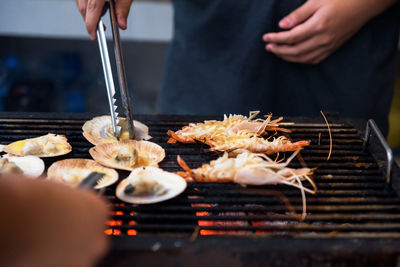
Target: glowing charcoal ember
{"points": [[131, 232], [268, 223], [114, 222], [220, 223], [112, 232]]}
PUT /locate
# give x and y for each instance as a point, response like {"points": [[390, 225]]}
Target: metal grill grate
{"points": [[353, 199]]}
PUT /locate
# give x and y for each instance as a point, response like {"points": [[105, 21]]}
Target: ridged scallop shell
{"points": [[149, 154], [61, 171], [31, 166], [61, 142], [174, 184], [97, 131]]}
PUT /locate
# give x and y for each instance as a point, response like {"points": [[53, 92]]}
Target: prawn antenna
{"points": [[330, 136]]}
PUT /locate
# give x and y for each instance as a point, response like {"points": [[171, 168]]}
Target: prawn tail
{"points": [[183, 165], [171, 141], [303, 143], [186, 176], [295, 146]]}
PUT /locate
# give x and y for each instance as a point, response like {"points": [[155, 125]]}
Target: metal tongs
{"points": [[92, 180], [105, 58]]}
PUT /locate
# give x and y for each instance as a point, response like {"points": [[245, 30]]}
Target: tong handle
{"points": [[371, 125], [91, 180], [108, 76], [125, 97]]}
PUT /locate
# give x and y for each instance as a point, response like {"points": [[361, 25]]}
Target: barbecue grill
{"points": [[354, 219]]}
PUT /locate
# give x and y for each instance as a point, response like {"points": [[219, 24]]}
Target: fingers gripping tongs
{"points": [[125, 98]]}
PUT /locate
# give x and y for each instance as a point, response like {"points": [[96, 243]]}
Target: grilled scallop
{"points": [[9, 167], [31, 166], [150, 185], [49, 145], [73, 171], [99, 130], [128, 154]]}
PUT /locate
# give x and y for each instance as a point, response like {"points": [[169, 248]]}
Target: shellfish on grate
{"points": [[128, 154], [30, 166], [50, 145], [99, 130], [150, 185], [73, 171]]}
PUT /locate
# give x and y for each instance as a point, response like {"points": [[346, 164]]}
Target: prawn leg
{"points": [[178, 138]]}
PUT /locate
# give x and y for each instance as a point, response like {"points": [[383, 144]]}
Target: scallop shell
{"points": [[31, 166], [174, 184], [60, 141], [61, 171], [149, 154], [96, 131]]}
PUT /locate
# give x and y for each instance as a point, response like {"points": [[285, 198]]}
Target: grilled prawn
{"points": [[238, 132], [250, 169], [231, 125], [255, 144]]}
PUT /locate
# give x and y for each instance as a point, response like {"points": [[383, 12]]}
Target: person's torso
{"points": [[217, 64]]}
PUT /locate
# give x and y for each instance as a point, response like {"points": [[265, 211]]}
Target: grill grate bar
{"points": [[303, 227], [280, 208], [334, 217]]}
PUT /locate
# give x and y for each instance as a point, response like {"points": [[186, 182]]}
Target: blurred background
{"points": [[48, 63]]}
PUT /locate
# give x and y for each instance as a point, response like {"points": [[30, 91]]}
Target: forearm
{"points": [[316, 29]]}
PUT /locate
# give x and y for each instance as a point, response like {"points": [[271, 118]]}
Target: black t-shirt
{"points": [[217, 64]]}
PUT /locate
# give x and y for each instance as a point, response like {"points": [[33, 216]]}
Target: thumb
{"points": [[122, 8], [299, 15]]}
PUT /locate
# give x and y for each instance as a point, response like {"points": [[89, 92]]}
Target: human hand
{"points": [[49, 224], [319, 27], [92, 10]]}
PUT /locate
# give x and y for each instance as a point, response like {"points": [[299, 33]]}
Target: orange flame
{"points": [[132, 231], [216, 223], [112, 232], [114, 222]]}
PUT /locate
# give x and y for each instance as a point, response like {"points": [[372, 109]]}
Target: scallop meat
{"points": [[149, 185], [50, 145]]}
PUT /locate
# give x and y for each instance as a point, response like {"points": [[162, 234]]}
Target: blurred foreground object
{"points": [[48, 224]]}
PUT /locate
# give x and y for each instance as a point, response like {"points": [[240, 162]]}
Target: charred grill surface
{"points": [[353, 201]]}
